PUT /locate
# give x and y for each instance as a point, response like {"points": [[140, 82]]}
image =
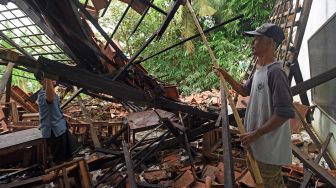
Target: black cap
{"points": [[270, 30]]}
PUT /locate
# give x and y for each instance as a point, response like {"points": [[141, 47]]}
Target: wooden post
{"points": [[86, 181], [253, 162], [3, 84], [93, 131], [8, 96], [129, 166], [5, 77], [229, 177], [14, 112], [65, 178]]}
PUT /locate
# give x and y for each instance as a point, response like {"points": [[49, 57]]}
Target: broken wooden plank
{"points": [[3, 124], [307, 173], [150, 152], [65, 178], [147, 119], [188, 148], [14, 112], [316, 141], [184, 140], [6, 176], [5, 77], [316, 169], [113, 139], [84, 174], [129, 165], [22, 98]]}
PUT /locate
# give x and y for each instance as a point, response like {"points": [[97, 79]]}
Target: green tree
{"points": [[189, 66]]}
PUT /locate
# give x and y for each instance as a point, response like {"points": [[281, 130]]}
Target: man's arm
{"points": [[235, 85], [50, 92], [271, 124]]}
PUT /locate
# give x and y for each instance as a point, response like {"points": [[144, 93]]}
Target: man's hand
{"points": [[235, 85], [247, 138]]}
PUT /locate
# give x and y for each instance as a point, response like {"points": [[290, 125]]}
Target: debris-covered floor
{"points": [[156, 148]]}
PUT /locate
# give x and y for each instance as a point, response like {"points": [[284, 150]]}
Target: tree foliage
{"points": [[189, 65]]}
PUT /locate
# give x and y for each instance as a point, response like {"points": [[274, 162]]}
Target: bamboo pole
{"points": [[253, 162]]}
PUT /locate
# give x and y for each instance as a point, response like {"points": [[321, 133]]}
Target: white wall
{"points": [[320, 11]]}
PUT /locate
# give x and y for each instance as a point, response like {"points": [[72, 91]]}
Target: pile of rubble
{"points": [[148, 148], [99, 110], [206, 98]]}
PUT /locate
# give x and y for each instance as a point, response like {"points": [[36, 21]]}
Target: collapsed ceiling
{"points": [[59, 41]]}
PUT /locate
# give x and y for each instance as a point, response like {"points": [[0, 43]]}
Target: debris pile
{"points": [[161, 152]]}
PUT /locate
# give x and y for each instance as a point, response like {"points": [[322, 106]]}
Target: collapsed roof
{"points": [[58, 34]]}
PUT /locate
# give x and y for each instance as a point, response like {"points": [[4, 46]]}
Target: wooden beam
{"points": [[95, 23], [301, 30], [229, 178], [295, 69], [84, 174], [129, 166], [316, 141], [14, 112], [313, 82], [7, 74], [169, 18], [82, 78], [316, 169], [8, 97], [307, 173]]}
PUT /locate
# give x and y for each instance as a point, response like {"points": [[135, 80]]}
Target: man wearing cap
{"points": [[269, 108]]}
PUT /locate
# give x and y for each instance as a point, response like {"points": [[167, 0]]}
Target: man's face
{"points": [[260, 45]]}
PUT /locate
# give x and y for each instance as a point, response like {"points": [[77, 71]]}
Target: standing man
{"points": [[53, 125], [270, 106]]}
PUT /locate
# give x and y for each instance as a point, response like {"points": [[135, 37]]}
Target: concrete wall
{"points": [[320, 12]]}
